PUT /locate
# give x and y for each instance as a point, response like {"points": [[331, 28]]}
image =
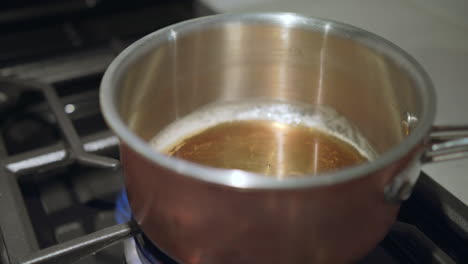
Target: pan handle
{"points": [[444, 143], [447, 143]]}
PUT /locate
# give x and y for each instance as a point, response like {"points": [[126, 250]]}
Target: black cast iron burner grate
{"points": [[60, 49], [17, 237], [76, 152]]}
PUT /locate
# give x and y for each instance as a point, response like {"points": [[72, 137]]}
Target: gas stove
{"points": [[61, 190]]}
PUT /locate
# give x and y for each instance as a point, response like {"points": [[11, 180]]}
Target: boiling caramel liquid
{"points": [[267, 147], [284, 146]]}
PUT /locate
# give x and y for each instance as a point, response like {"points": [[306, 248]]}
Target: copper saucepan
{"points": [[203, 215]]}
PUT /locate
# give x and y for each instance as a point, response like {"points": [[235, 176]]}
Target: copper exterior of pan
{"points": [[204, 215]]}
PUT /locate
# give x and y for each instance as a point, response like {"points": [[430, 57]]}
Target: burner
{"points": [[122, 215], [138, 250]]}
